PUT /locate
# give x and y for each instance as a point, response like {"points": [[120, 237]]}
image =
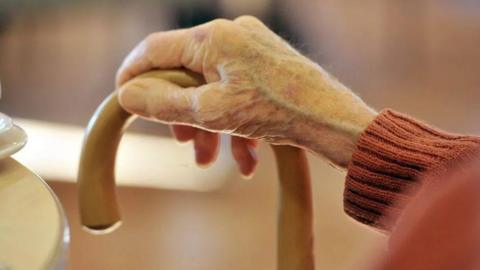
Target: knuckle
{"points": [[248, 19], [150, 38], [221, 24], [148, 43]]}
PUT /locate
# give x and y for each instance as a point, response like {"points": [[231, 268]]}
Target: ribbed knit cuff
{"points": [[392, 154]]}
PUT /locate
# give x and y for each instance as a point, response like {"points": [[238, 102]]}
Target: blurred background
{"points": [[58, 60]]}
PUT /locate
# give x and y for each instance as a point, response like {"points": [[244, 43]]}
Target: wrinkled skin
{"points": [[258, 87]]}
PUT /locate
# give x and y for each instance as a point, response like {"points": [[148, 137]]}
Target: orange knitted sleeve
{"points": [[391, 156]]}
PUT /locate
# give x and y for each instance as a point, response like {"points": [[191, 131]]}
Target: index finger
{"points": [[158, 50], [169, 49]]}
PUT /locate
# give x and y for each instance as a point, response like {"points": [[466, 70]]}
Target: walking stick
{"points": [[99, 210]]}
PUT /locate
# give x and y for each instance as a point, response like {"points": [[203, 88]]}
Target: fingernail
{"points": [[132, 99], [246, 171], [202, 160], [247, 177], [204, 165], [182, 142]]}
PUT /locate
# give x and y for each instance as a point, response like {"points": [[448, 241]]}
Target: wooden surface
{"points": [[295, 230], [33, 229]]}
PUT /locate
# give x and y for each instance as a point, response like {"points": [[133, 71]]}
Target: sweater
{"points": [[392, 157]]}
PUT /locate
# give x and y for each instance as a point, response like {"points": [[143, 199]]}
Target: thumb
{"points": [[163, 100]]}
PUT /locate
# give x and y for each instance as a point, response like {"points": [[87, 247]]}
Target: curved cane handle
{"points": [[96, 180]]}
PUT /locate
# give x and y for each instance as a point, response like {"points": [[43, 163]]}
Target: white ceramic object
{"points": [[33, 228], [12, 137]]}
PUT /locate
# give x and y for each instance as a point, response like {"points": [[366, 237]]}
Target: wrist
{"points": [[334, 141], [331, 126]]}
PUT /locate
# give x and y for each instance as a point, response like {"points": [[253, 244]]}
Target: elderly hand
{"points": [[258, 87]]}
